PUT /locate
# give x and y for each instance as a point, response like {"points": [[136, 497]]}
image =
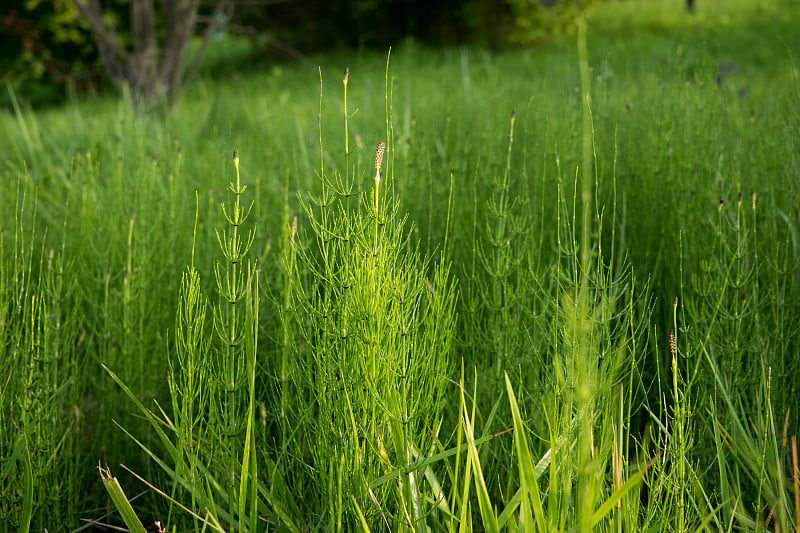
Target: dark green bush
{"points": [[45, 45], [47, 42], [534, 21], [317, 25]]}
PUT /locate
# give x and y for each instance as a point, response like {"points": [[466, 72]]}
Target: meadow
{"points": [[429, 289]]}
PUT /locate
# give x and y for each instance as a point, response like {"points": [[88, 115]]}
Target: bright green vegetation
{"points": [[567, 297]]}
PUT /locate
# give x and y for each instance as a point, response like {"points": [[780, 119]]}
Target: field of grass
{"points": [[563, 295]]}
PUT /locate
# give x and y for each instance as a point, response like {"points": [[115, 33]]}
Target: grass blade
{"points": [[121, 501], [616, 496], [173, 452], [27, 509], [531, 498], [484, 501]]}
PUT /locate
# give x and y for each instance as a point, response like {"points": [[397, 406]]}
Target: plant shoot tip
{"points": [[379, 155]]}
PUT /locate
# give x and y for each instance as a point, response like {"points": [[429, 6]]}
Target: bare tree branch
{"points": [[180, 16], [91, 11], [292, 52], [112, 52], [223, 7], [152, 72]]}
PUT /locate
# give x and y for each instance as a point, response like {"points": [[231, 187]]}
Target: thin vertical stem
{"points": [[345, 79], [586, 181]]}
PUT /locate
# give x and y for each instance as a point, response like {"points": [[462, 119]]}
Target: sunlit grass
{"points": [[564, 298]]}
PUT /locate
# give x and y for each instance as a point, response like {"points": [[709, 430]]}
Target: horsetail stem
{"points": [[345, 79]]}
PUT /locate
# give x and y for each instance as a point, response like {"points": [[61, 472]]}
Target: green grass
{"points": [[566, 298]]}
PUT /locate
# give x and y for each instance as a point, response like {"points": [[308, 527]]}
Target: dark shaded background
{"points": [[47, 51]]}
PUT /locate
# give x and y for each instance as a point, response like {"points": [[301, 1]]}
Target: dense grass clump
{"points": [[560, 295]]}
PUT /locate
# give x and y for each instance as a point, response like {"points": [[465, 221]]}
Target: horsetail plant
{"points": [[236, 326], [376, 322], [497, 300], [38, 417], [209, 415], [589, 397], [189, 371]]}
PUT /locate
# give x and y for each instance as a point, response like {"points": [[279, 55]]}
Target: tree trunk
{"points": [[151, 74], [179, 22], [143, 60]]}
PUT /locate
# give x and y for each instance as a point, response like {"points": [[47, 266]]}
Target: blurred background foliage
{"points": [[47, 41], [48, 53]]}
